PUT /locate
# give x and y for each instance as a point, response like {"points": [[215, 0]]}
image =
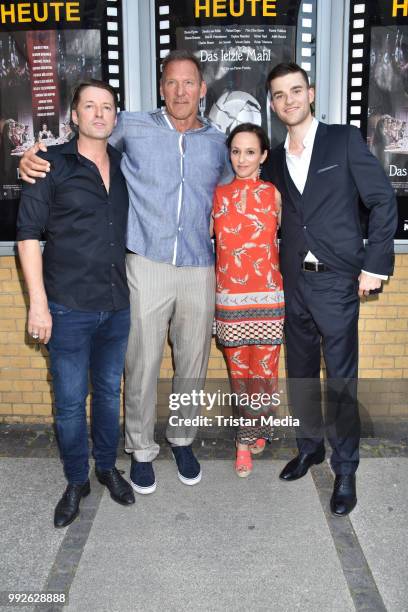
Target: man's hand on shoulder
{"points": [[367, 282], [32, 166]]}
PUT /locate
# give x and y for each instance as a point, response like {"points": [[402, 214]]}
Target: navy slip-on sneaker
{"points": [[142, 477], [189, 470]]}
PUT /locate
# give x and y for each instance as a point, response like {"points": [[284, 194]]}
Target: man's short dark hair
{"points": [[92, 83], [181, 55], [252, 128], [281, 70]]}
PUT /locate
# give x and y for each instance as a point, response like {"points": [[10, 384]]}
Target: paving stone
{"points": [[189, 548], [345, 540], [60, 581], [49, 608], [358, 581], [211, 524], [27, 439], [369, 600], [42, 440], [351, 558], [29, 489], [380, 521]]}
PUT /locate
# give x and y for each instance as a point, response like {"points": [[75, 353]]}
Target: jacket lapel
{"points": [[316, 162], [294, 194]]}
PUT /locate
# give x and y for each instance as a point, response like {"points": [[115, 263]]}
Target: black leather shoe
{"points": [[298, 467], [344, 496], [67, 508], [120, 489]]}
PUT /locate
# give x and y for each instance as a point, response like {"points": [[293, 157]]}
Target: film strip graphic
{"points": [[163, 38], [113, 65], [163, 21], [306, 39], [359, 63]]}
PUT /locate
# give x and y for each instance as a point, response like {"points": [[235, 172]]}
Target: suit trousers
{"points": [[323, 313], [165, 299]]}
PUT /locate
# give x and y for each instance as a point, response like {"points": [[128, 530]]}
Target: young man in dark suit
{"points": [[321, 171]]}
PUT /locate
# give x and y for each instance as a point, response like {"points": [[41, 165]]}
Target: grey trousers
{"points": [[165, 298]]}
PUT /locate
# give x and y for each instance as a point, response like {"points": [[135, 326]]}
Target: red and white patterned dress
{"points": [[249, 313], [249, 298]]}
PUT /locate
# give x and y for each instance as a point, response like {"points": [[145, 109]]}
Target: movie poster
{"points": [[237, 44], [236, 61], [378, 90], [45, 49], [38, 71], [387, 128]]}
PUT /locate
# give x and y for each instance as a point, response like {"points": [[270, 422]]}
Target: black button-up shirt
{"points": [[85, 229]]}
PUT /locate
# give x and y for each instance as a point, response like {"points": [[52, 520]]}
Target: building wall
{"points": [[25, 388]]}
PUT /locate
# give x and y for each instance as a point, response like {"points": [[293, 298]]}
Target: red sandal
{"points": [[258, 447], [243, 463]]}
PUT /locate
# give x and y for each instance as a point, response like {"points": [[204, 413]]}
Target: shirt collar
{"points": [[203, 120], [308, 140], [71, 148]]}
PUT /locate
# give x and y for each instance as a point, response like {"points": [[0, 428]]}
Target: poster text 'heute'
{"points": [[39, 12], [235, 8]]}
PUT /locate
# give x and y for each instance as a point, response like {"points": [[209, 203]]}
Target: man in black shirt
{"points": [[79, 299]]}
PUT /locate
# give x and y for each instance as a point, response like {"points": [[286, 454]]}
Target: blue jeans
{"points": [[82, 343]]}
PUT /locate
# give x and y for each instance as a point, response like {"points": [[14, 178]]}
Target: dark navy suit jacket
{"points": [[325, 218]]}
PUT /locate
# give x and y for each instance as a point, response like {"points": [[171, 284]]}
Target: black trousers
{"points": [[323, 313]]}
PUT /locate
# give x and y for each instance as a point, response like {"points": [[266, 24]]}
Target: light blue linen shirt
{"points": [[171, 177]]}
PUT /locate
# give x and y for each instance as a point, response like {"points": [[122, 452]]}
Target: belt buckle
{"points": [[312, 266]]}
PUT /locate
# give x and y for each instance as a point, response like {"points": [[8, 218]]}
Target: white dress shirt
{"points": [[298, 166]]}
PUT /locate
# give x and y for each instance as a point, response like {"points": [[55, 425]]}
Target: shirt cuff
{"points": [[29, 234], [382, 276]]}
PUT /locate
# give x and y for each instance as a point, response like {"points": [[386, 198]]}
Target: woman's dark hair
{"points": [[252, 128]]}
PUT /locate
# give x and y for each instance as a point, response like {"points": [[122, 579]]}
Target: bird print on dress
{"points": [[247, 269]]}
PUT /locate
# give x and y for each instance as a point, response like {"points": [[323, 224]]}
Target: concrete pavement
{"points": [[226, 544]]}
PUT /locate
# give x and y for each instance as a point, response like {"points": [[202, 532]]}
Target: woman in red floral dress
{"points": [[249, 299]]}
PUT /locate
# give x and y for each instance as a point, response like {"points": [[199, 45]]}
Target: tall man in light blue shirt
{"points": [[172, 161]]}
